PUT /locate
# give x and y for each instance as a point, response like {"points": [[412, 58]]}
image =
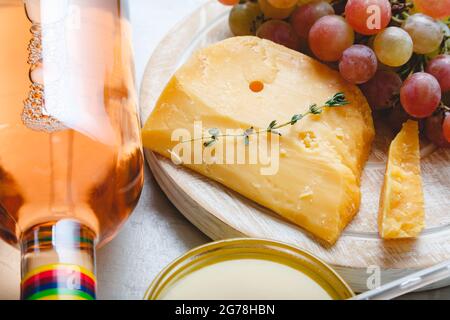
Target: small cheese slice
{"points": [[402, 213], [321, 158]]}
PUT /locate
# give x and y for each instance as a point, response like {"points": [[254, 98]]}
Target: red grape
{"points": [[434, 129], [381, 90], [420, 95], [368, 16], [279, 32], [439, 67], [303, 18], [329, 37], [358, 64], [229, 2], [446, 127], [438, 9]]}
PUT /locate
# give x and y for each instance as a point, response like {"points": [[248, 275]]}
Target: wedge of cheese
{"points": [[321, 158], [402, 213]]}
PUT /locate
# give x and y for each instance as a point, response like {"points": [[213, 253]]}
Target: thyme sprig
{"points": [[338, 100]]}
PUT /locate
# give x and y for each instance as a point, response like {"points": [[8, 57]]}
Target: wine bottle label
{"points": [[59, 282]]}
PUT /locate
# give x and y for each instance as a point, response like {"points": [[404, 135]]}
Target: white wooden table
{"points": [[156, 233]]}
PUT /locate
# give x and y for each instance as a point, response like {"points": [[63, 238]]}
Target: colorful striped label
{"points": [[59, 282]]}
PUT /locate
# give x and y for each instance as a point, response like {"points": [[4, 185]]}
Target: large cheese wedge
{"points": [[402, 213], [245, 82]]}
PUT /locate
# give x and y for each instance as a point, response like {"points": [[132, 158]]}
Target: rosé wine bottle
{"points": [[71, 162]]}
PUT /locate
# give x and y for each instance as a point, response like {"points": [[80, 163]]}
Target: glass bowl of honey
{"points": [[248, 269]]}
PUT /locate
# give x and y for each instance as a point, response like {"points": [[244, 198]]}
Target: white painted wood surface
{"points": [[156, 233]]}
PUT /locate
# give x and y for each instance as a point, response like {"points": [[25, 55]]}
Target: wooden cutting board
{"points": [[221, 213]]}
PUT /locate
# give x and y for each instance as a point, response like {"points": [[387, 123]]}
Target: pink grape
{"points": [[381, 90], [358, 64], [304, 17], [329, 37], [279, 32], [368, 17], [420, 95], [439, 67], [437, 9]]}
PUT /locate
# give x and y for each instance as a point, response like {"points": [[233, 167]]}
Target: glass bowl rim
{"points": [[163, 279]]}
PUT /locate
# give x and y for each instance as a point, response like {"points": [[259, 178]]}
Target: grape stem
{"points": [[415, 64], [400, 10], [397, 20], [443, 107]]}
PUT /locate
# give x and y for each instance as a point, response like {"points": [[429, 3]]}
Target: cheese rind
{"points": [[321, 157], [402, 213]]}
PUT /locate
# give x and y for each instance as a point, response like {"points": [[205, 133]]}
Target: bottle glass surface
{"points": [[71, 162]]}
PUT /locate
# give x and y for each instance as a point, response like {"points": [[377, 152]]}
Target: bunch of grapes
{"points": [[397, 51]]}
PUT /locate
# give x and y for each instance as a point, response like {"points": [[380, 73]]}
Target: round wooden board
{"points": [[221, 213]]}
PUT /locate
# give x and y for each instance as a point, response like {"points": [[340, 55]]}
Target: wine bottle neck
{"points": [[58, 262]]}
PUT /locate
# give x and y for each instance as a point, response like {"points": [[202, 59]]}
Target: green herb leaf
{"points": [[338, 100], [314, 109], [272, 125], [296, 118]]}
